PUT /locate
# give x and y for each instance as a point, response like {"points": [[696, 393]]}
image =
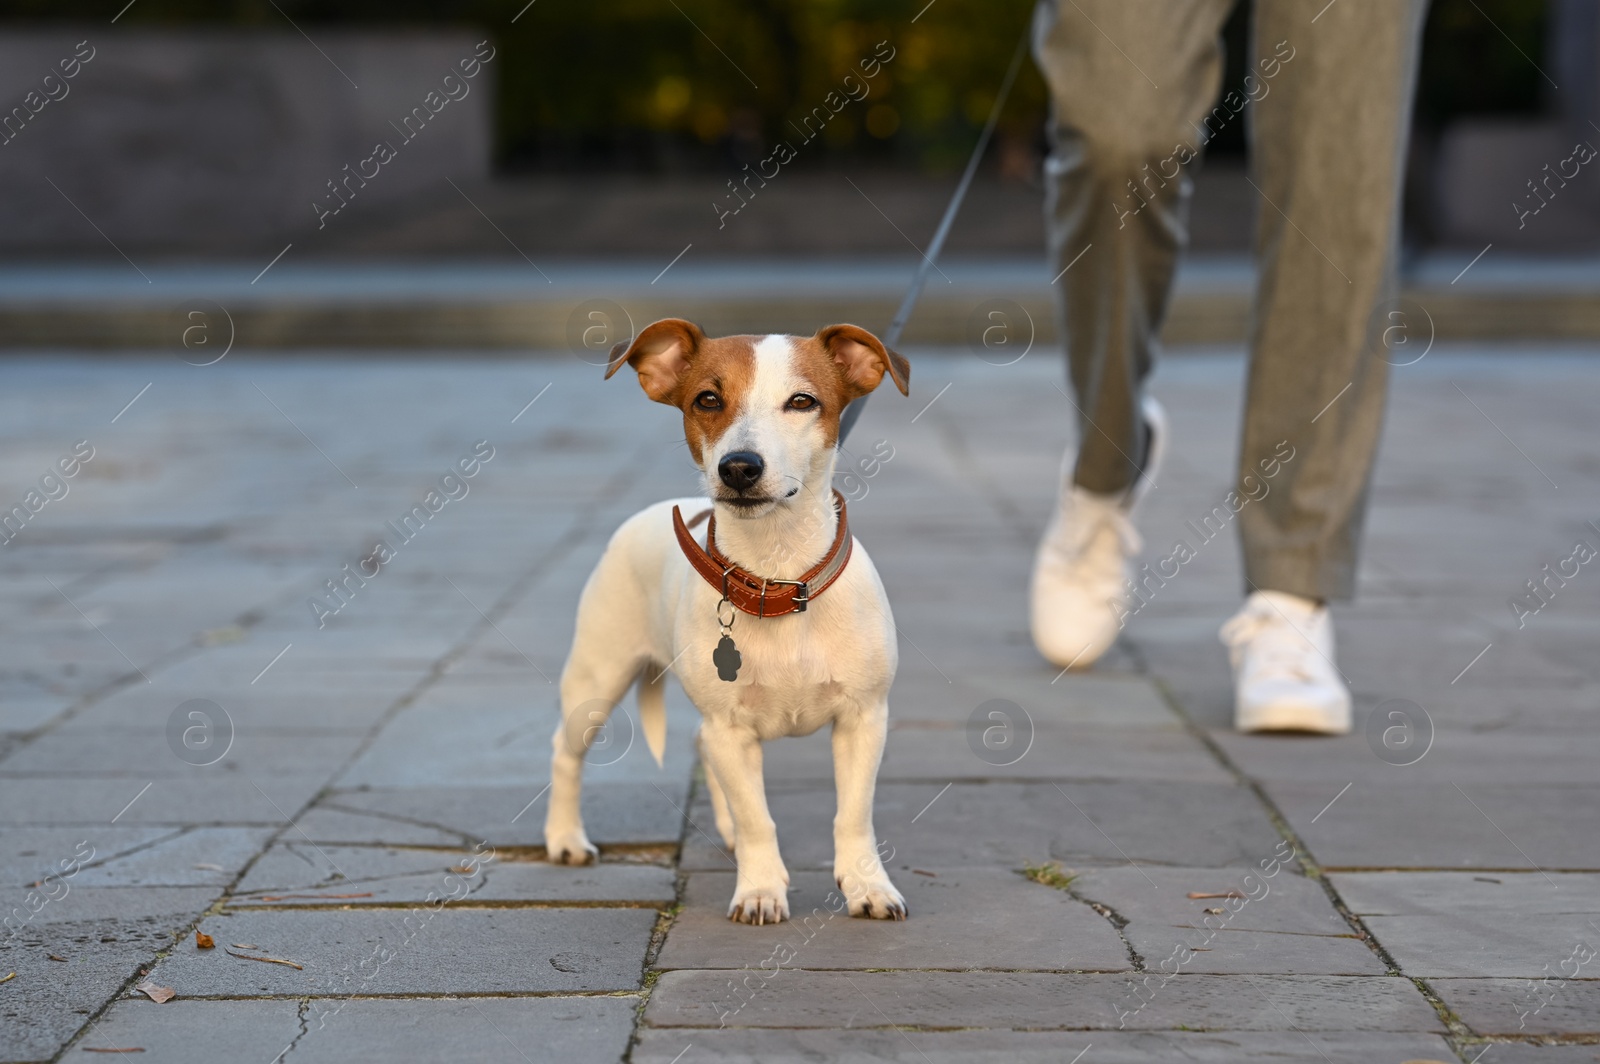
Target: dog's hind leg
{"points": [[719, 800], [588, 695]]}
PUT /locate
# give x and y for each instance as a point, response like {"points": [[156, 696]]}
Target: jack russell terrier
{"points": [[769, 613]]}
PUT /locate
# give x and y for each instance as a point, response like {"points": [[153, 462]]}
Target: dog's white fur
{"points": [[645, 607]]}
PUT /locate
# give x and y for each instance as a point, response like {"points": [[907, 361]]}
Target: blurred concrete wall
{"points": [[1529, 186], [221, 138], [1532, 184]]}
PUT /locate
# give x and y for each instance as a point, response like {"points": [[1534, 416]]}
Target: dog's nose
{"points": [[741, 469]]}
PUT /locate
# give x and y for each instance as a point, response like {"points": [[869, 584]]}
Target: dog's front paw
{"points": [[571, 848], [872, 896], [760, 905]]}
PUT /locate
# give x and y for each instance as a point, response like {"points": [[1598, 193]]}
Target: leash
{"points": [[891, 339]]}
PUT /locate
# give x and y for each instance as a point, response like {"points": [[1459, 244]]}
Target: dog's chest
{"points": [[794, 675]]}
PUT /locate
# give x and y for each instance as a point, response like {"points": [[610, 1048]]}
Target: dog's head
{"points": [[760, 413]]}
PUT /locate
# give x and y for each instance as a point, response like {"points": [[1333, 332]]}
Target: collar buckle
{"points": [[802, 594]]}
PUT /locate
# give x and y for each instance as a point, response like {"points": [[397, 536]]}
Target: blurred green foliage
{"points": [[684, 84], [1478, 57]]}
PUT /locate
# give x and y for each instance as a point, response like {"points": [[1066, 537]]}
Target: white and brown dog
{"points": [[770, 614]]}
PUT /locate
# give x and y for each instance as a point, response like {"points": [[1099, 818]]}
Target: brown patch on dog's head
{"points": [[708, 379], [863, 360], [843, 363], [659, 354], [711, 379]]}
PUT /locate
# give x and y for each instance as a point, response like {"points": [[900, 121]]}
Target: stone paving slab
{"points": [[29, 853], [217, 517], [225, 798], [579, 1030], [1012, 824], [1021, 925], [497, 736], [364, 679], [1515, 1053], [1551, 756], [21, 712], [1041, 749], [254, 710], [330, 825], [392, 876], [458, 951], [1044, 1047], [193, 857], [1525, 710], [1081, 699], [1283, 924], [1420, 825], [1513, 944], [145, 753], [82, 903], [104, 942], [1469, 894], [1520, 1008], [1049, 1001], [1439, 924], [613, 813], [184, 1029]]}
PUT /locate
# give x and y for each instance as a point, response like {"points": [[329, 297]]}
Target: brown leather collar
{"points": [[756, 595]]}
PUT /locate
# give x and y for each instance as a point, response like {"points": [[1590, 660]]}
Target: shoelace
{"points": [[1284, 649], [1085, 526]]}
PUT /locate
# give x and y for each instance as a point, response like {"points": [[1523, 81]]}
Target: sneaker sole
{"points": [[1291, 717]]}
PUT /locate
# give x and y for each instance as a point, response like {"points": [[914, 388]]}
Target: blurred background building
{"points": [[192, 132], [612, 128]]}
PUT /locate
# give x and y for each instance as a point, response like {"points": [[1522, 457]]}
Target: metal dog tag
{"points": [[727, 659]]}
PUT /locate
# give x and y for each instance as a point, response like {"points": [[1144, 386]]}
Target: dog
{"points": [[766, 609]]}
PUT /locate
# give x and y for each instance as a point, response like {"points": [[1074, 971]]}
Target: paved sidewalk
{"points": [[372, 806]]}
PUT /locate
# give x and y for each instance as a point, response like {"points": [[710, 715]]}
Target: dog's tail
{"points": [[653, 709]]}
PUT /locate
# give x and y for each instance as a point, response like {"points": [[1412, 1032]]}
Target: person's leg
{"points": [[1328, 143], [1131, 82], [1131, 87]]}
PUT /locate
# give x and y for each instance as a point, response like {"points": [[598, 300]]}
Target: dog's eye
{"points": [[801, 401], [708, 401]]}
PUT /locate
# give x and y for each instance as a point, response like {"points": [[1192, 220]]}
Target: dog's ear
{"points": [[659, 354], [862, 359]]}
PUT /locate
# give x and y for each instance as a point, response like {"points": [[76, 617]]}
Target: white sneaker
{"points": [[1079, 595], [1284, 679]]}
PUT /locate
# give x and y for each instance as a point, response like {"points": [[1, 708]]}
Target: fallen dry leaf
{"points": [[461, 870], [930, 875], [244, 945], [230, 633], [264, 960], [204, 941], [8, 978], [286, 897], [1197, 894], [132, 1049], [159, 994], [53, 957]]}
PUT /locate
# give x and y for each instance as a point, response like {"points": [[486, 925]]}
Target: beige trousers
{"points": [[1136, 88]]}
